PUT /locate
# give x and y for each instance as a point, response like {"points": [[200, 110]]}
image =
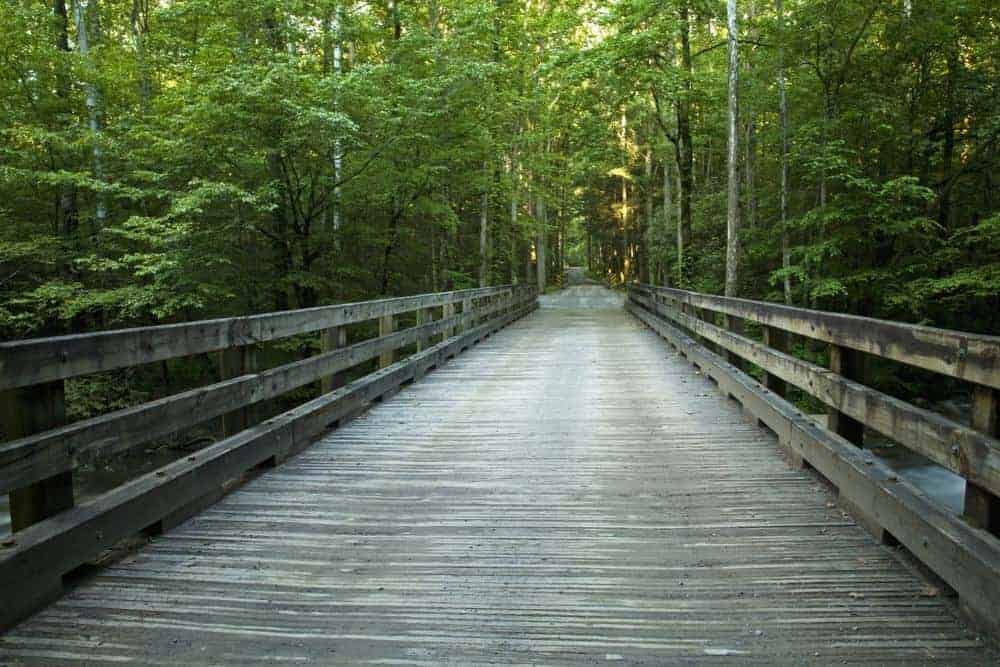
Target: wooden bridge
{"points": [[570, 490]]}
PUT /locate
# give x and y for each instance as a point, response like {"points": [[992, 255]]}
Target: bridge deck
{"points": [[569, 491]]}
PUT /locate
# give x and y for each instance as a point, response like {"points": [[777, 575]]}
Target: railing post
{"points": [[778, 340], [27, 411], [733, 325], [234, 362], [849, 364], [982, 508], [447, 311], [467, 310], [332, 339], [386, 326], [424, 316]]}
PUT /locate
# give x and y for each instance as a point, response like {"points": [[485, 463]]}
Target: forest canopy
{"points": [[165, 161]]}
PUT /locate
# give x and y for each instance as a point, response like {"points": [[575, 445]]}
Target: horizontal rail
{"points": [[971, 357], [41, 455], [966, 558], [957, 447], [33, 562], [34, 361]]}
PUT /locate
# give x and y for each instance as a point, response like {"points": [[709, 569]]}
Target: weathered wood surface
{"points": [[890, 507], [569, 492], [41, 455], [966, 451], [28, 362], [33, 561], [971, 357]]}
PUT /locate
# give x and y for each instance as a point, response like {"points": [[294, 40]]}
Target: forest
{"points": [[166, 161]]}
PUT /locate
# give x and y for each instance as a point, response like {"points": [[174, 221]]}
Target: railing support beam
{"points": [[332, 339], [27, 411], [386, 326], [778, 340], [234, 362], [982, 508], [849, 364]]}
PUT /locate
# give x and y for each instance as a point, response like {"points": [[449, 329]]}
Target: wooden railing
{"points": [[52, 535], [964, 551]]}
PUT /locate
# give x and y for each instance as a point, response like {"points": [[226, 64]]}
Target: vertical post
{"points": [[734, 325], [467, 310], [332, 339], [778, 340], [234, 362], [424, 316], [26, 411], [851, 365], [448, 310], [982, 508], [386, 326]]}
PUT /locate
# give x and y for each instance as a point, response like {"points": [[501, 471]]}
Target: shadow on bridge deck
{"points": [[569, 491]]}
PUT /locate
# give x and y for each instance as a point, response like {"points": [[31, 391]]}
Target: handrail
{"points": [[966, 356], [970, 451], [964, 551], [53, 535], [36, 360], [42, 450]]}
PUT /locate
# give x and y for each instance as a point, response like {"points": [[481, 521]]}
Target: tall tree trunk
{"points": [[69, 216], [733, 209], [651, 234], [786, 255], [685, 154], [543, 227], [139, 21], [513, 259], [81, 9], [338, 156], [484, 231], [668, 210]]}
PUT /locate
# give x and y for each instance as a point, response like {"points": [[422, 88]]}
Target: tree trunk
{"points": [[786, 257], [651, 234], [80, 11], [685, 154], [484, 235], [543, 225], [733, 209], [512, 171], [69, 216], [668, 210]]}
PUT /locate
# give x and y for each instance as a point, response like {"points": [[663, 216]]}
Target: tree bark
{"points": [[668, 210], [786, 257], [484, 232], [733, 209], [685, 154], [81, 8]]}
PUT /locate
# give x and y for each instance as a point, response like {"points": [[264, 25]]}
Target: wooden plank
{"points": [[386, 326], [778, 340], [963, 450], [971, 357], [27, 411], [448, 311], [235, 362], [36, 457], [33, 361], [848, 364], [467, 308], [424, 316], [332, 339], [519, 508], [966, 558], [982, 506], [51, 548]]}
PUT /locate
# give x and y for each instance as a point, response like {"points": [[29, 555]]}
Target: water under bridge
{"points": [[581, 477]]}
